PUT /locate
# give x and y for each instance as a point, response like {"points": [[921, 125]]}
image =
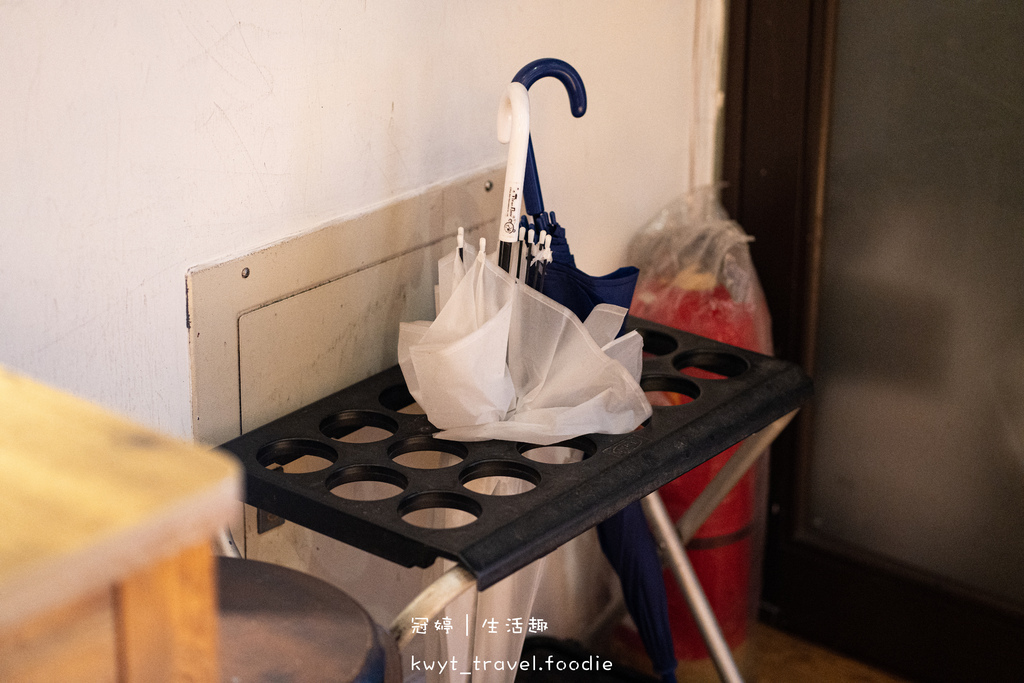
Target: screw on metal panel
{"points": [[265, 521], [488, 186], [245, 272]]}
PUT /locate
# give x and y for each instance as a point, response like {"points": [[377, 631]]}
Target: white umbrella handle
{"points": [[513, 129]]}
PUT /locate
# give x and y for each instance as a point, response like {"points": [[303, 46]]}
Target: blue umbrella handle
{"points": [[533, 202]]}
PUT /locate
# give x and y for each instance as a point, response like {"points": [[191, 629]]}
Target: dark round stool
{"points": [[278, 625]]}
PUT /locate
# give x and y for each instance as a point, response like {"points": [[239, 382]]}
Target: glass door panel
{"points": [[919, 366]]}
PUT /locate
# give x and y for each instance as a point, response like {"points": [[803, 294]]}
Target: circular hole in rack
{"points": [[398, 399], [563, 453], [427, 453], [296, 456], [710, 364], [366, 482], [669, 391], [358, 426], [439, 510], [499, 478], [657, 343]]}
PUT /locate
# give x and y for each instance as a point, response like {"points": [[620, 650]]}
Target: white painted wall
{"points": [[140, 138]]}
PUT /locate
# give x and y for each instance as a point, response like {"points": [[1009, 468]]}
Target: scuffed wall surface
{"points": [[140, 139]]}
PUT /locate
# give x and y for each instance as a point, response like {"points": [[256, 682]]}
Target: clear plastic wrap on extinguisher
{"points": [[696, 273]]}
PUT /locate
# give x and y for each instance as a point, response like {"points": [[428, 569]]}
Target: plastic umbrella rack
{"points": [[418, 502]]}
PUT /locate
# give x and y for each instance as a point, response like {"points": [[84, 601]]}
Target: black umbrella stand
{"points": [[506, 533]]}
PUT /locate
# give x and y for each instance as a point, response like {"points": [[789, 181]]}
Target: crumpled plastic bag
{"points": [[503, 361], [696, 274]]}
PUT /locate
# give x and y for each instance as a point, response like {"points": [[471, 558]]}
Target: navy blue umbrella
{"points": [[578, 291], [625, 538]]}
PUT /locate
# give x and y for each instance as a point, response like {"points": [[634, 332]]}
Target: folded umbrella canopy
{"points": [[503, 361], [625, 538]]}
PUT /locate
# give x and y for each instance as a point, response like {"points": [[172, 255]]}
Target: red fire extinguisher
{"points": [[699, 278]]}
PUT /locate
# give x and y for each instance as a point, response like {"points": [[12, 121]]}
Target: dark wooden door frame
{"points": [[779, 75]]}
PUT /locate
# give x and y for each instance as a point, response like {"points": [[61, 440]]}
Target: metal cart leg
{"points": [[665, 534], [430, 602], [730, 474], [673, 538], [702, 507]]}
